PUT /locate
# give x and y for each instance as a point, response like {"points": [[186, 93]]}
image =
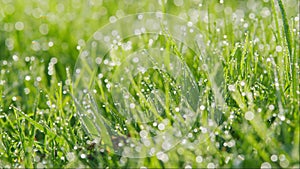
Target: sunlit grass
{"points": [[255, 42]]}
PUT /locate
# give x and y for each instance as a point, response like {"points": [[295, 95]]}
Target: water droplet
{"points": [[265, 165], [15, 58], [120, 144], [26, 91], [202, 107], [83, 156], [281, 117], [27, 78], [140, 16], [231, 143], [112, 19], [190, 24], [105, 61], [271, 107], [243, 83], [281, 157], [199, 159], [274, 158], [19, 26], [211, 165], [50, 44], [143, 133], [284, 164], [154, 124], [188, 167], [252, 16], [161, 126], [162, 156], [278, 48], [203, 129], [132, 105], [249, 115], [14, 98], [231, 88], [135, 59]]}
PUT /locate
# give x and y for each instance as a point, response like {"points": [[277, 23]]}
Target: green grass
{"points": [[254, 45]]}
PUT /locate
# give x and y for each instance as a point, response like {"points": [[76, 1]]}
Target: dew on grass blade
{"points": [[83, 156], [274, 158], [211, 165], [249, 115], [146, 87], [231, 88], [265, 165], [19, 26], [161, 126], [14, 98]]}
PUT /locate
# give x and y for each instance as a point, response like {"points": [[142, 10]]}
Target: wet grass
{"points": [[256, 42]]}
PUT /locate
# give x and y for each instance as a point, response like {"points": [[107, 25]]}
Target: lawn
{"points": [[142, 84]]}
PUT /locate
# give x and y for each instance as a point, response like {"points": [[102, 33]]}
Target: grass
{"points": [[247, 65]]}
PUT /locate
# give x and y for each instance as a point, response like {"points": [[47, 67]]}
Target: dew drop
{"points": [[162, 156], [135, 59], [112, 19], [199, 159], [274, 158], [26, 91], [161, 126], [83, 156], [14, 98], [188, 167], [19, 26], [271, 107], [202, 107], [249, 115], [50, 44], [265, 165], [140, 16], [231, 88], [154, 124], [132, 105], [70, 156], [278, 48], [243, 83], [211, 165], [190, 24], [15, 58], [27, 78], [143, 133]]}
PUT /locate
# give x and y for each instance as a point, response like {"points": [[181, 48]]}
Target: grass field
{"points": [[235, 102]]}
